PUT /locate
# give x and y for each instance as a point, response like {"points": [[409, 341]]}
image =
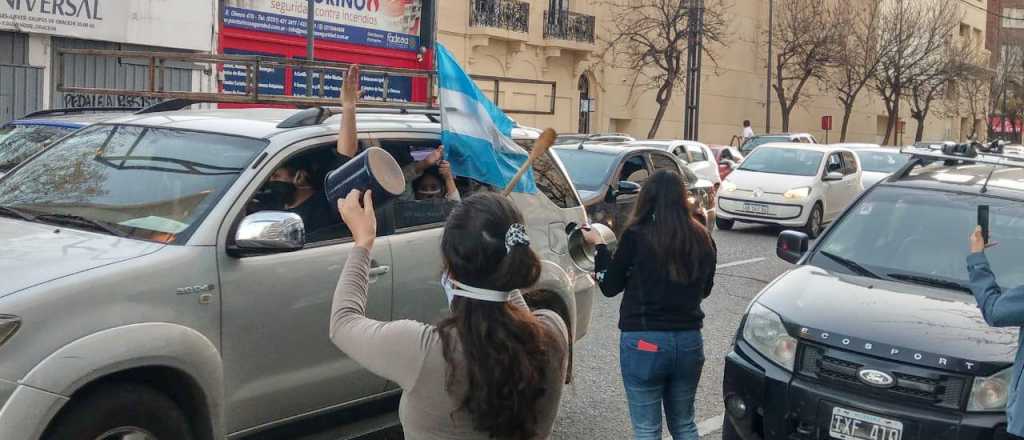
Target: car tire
{"points": [[729, 430], [724, 224], [118, 410], [814, 226]]}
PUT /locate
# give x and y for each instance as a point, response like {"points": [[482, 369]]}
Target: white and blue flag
{"points": [[476, 134]]}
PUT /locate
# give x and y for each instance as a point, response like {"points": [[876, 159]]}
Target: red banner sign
{"points": [[826, 123]]}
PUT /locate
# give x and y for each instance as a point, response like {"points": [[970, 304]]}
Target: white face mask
{"points": [[453, 288]]}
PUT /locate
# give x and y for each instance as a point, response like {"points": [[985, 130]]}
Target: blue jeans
{"points": [[662, 368]]}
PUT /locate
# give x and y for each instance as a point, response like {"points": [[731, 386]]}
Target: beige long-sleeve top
{"points": [[410, 354]]}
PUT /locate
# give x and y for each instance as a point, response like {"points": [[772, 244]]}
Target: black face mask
{"points": [[278, 194]]}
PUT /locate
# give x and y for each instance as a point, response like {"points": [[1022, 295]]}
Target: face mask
{"points": [[282, 193], [430, 194], [453, 289]]}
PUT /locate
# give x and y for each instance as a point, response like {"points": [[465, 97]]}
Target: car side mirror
{"points": [[270, 232], [832, 176], [626, 188], [791, 246]]}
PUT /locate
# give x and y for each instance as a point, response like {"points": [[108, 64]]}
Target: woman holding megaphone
{"points": [[665, 263], [493, 368]]}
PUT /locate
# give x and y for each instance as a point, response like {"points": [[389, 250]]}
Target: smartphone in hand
{"points": [[983, 221]]}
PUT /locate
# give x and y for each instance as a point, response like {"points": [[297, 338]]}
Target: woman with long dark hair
{"points": [[665, 263], [493, 368]]}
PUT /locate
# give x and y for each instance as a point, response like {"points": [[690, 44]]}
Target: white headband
{"points": [[456, 288]]}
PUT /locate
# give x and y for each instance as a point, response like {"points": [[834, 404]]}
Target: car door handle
{"points": [[379, 270]]}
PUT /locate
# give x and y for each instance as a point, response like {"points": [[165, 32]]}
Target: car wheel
{"points": [[121, 412], [724, 224], [728, 430], [814, 221]]}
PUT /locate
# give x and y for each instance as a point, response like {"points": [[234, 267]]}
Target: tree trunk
{"points": [[785, 117], [652, 134], [847, 112], [888, 125], [919, 135]]}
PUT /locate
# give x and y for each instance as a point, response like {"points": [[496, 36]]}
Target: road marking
{"points": [[706, 427], [740, 263]]}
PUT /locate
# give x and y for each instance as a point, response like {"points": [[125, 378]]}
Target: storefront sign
{"points": [[144, 22], [391, 24]]}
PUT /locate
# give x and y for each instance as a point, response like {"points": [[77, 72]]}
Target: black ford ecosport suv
{"points": [[874, 334]]}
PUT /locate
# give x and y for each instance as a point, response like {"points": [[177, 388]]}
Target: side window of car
{"points": [[663, 162], [550, 179], [697, 154], [635, 169], [425, 202], [849, 163], [835, 164], [680, 152]]}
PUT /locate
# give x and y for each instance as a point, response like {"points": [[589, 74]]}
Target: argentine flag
{"points": [[476, 134]]}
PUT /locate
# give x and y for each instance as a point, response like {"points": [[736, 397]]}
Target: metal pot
{"points": [[583, 254], [373, 169]]}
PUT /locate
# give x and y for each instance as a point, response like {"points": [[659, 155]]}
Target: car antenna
{"points": [[984, 188], [994, 147]]}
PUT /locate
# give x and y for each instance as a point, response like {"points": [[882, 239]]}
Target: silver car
{"points": [[143, 295]]}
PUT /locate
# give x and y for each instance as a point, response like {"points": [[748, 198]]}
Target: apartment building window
{"points": [[1013, 18]]}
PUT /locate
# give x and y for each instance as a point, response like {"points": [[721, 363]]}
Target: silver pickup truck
{"points": [[143, 297]]}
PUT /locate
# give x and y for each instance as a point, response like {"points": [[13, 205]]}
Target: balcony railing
{"points": [[503, 14], [565, 25]]}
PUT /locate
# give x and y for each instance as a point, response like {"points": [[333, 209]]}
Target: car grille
{"points": [[922, 385]]}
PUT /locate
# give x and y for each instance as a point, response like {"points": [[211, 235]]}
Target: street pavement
{"points": [[594, 407]]}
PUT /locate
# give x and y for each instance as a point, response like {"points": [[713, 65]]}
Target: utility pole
{"points": [[310, 39], [694, 49], [768, 85]]}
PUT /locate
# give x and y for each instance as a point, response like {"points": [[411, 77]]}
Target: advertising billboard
{"points": [[142, 22], [389, 24]]}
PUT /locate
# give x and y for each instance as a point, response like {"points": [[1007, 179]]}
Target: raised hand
{"points": [[360, 219], [350, 90]]}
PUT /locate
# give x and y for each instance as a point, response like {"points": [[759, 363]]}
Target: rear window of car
{"points": [[19, 142], [790, 161]]}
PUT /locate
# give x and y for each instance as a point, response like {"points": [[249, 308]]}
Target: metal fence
{"points": [[504, 14], [20, 91], [572, 26]]}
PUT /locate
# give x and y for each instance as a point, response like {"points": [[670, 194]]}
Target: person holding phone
{"points": [[491, 369], [1000, 308]]}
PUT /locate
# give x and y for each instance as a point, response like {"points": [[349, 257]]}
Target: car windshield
{"points": [[147, 183], [791, 161], [569, 139], [587, 169], [881, 161], [906, 233], [754, 142], [19, 142]]}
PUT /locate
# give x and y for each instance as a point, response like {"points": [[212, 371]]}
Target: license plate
{"points": [[854, 425], [756, 208]]}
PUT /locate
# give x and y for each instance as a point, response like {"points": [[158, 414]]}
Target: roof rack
{"points": [[68, 111], [969, 152]]}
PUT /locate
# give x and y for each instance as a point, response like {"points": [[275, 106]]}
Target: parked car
{"points": [[793, 185], [21, 138], [139, 278], [874, 334], [756, 141], [608, 177], [576, 138], [877, 162], [728, 158], [697, 156]]}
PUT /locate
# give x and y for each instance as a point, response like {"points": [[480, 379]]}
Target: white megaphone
{"points": [[582, 253]]}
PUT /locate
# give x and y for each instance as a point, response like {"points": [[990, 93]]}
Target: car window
{"points": [[588, 170], [159, 190], [409, 211], [849, 163], [754, 142], [19, 142], [696, 154], [790, 161], [885, 233], [635, 169], [664, 162], [834, 164], [550, 179], [881, 161]]}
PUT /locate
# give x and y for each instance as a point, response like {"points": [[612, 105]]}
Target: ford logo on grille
{"points": [[876, 378]]}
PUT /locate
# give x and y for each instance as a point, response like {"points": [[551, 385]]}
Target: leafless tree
{"points": [[807, 37], [649, 39], [1006, 87], [974, 82], [858, 56], [958, 75], [914, 33]]}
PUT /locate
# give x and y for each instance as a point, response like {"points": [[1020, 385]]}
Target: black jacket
{"points": [[652, 300]]}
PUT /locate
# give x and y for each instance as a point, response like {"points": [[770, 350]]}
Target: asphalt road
{"points": [[594, 407]]}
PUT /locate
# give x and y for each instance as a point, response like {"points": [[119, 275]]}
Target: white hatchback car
{"points": [[877, 162], [698, 157], [789, 184]]}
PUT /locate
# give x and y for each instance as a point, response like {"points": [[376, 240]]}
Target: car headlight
{"points": [[728, 186], [798, 193], [763, 330], [990, 393], [8, 326]]}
